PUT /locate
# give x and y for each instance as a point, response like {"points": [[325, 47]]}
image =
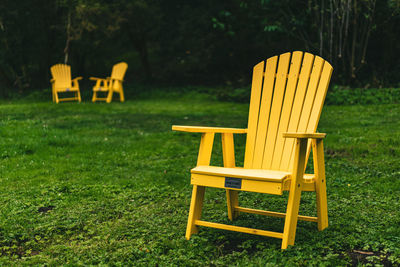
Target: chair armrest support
{"points": [[200, 129], [305, 135], [205, 149], [75, 82], [100, 81]]}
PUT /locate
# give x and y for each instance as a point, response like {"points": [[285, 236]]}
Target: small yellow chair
{"points": [[62, 83], [110, 84], [287, 96]]}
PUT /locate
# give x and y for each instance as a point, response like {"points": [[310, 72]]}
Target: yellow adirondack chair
{"points": [[110, 84], [287, 96], [61, 83]]}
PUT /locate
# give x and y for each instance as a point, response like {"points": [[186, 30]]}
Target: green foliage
{"points": [[239, 95], [349, 96], [195, 42], [108, 184], [337, 95]]}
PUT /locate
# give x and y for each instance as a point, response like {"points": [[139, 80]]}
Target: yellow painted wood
{"points": [[320, 184], [275, 214], [258, 186], [285, 107], [309, 99], [61, 82], [292, 210], [276, 108], [110, 85], [228, 152], [196, 205], [256, 86], [265, 108], [239, 229], [253, 174], [301, 91], [320, 97], [206, 144], [308, 184], [286, 111], [200, 129]]}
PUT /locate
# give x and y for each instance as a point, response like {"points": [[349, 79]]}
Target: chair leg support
{"points": [[275, 214], [196, 206]]}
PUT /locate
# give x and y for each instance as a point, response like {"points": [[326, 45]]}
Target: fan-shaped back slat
{"points": [[256, 86], [293, 78], [265, 108], [298, 102], [308, 102], [118, 71], [282, 100], [276, 109], [62, 75]]}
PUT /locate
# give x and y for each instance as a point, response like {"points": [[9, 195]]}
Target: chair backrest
{"points": [[118, 70], [62, 75], [287, 95]]}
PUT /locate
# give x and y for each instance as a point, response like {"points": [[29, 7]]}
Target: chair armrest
{"points": [[52, 80], [77, 79], [120, 80], [200, 129], [96, 79], [305, 135]]}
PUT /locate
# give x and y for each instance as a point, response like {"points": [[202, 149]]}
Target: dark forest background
{"points": [[197, 42]]}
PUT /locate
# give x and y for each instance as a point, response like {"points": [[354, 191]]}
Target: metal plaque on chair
{"points": [[233, 182]]}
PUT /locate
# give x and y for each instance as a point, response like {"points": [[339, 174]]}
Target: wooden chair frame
{"points": [[110, 85], [63, 72], [295, 180]]}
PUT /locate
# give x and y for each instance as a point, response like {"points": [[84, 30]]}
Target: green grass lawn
{"points": [[109, 184]]}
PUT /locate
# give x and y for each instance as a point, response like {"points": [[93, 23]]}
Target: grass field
{"points": [[109, 184]]}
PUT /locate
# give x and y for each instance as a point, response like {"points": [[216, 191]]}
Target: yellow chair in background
{"points": [[62, 83], [287, 96], [111, 84]]}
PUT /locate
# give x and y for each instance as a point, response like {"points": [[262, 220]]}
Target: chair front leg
{"points": [[196, 205], [320, 184], [121, 93], [78, 94], [228, 152], [292, 211], [109, 95], [53, 92]]}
